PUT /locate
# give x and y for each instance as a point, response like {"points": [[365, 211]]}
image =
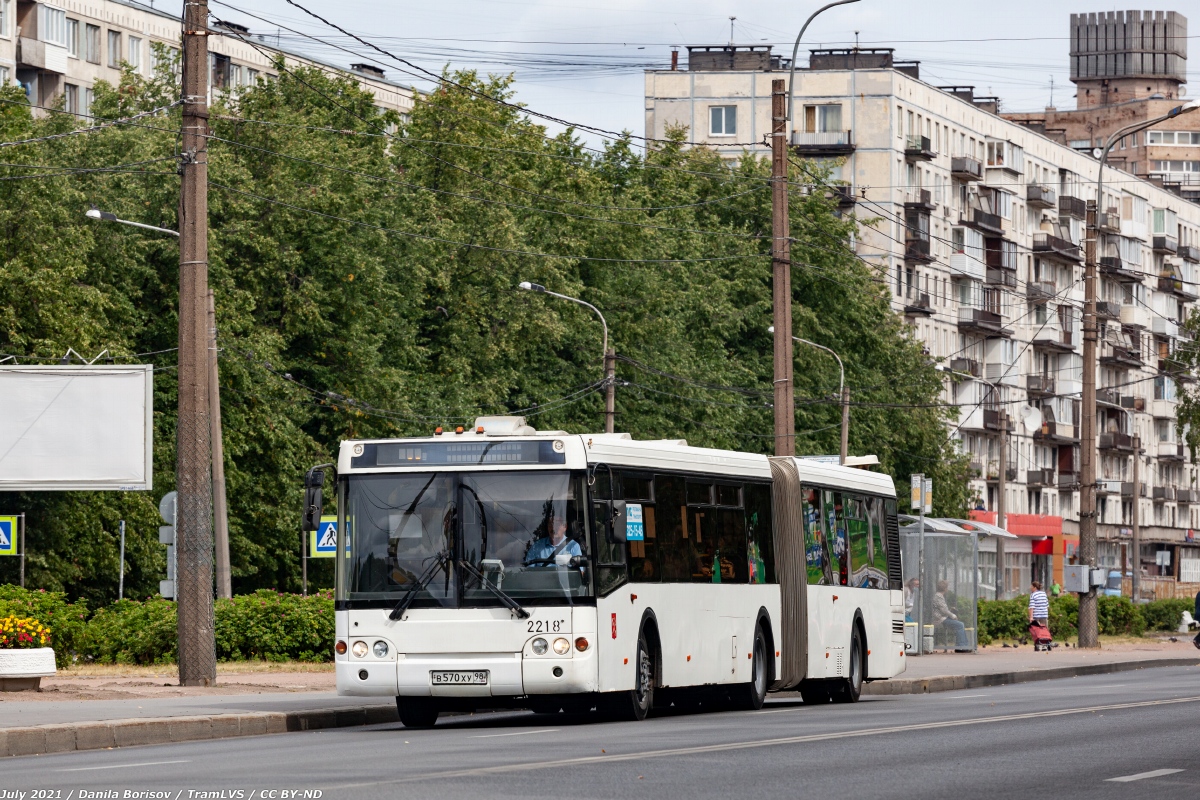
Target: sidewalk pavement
{"points": [[91, 712]]}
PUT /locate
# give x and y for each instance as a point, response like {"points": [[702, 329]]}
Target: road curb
{"points": [[69, 737], [950, 683]]}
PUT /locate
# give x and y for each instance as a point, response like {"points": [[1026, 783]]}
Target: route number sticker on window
{"points": [[635, 528]]}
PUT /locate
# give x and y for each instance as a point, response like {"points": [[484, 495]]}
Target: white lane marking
{"points": [[961, 696], [781, 710], [518, 733], [1111, 686], [756, 743], [124, 766], [1154, 773]]}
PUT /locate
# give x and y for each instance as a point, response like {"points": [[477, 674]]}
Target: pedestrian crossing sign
{"points": [[8, 536], [323, 541]]}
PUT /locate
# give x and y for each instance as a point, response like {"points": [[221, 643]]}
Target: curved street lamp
{"points": [[841, 391]]}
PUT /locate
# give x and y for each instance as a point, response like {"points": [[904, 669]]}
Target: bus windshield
{"points": [[523, 532]]}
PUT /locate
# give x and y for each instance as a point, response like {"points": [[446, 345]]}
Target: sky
{"points": [[584, 61]]}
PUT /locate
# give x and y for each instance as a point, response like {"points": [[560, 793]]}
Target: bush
{"points": [[1118, 616], [66, 621], [1165, 615], [272, 626], [132, 632], [1002, 619], [1064, 616]]}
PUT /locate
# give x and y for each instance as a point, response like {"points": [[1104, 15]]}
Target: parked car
{"points": [[1112, 587]]}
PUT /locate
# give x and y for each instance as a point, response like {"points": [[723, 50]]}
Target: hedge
{"points": [[264, 626], [1007, 620]]}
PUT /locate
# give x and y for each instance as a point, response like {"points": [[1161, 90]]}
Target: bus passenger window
{"points": [[672, 542], [835, 522], [643, 556], [729, 561], [760, 536], [861, 548], [879, 560], [814, 538]]}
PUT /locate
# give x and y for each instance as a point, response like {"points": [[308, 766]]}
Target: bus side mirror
{"points": [[314, 480], [617, 529]]}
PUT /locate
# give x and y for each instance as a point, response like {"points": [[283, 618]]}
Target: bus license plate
{"points": [[449, 677]]}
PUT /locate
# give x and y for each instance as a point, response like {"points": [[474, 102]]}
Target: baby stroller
{"points": [[1042, 640]]}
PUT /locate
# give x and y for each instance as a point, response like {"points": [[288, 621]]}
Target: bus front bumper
{"points": [[508, 675]]}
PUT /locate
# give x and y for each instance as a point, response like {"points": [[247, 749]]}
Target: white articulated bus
{"points": [[507, 567]]}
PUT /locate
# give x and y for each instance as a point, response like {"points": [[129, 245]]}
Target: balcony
{"points": [[1072, 207], [1109, 221], [1188, 252], [1108, 397], [1039, 477], [1178, 287], [1107, 309], [1186, 496], [1115, 355], [984, 220], [1053, 433], [1114, 267], [968, 366], [825, 143], [918, 251], [1040, 385], [1010, 474], [1118, 442], [978, 320], [1170, 451], [967, 266], [918, 305], [1163, 494], [1041, 290], [1068, 481], [1134, 315], [918, 148], [1163, 326], [1163, 409], [919, 200], [1001, 277], [1048, 338], [1062, 249], [1133, 403], [1164, 244], [1038, 196], [965, 168], [842, 196]]}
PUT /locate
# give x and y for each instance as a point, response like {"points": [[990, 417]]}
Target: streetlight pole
{"points": [[843, 393], [1088, 620], [796, 51], [610, 356]]}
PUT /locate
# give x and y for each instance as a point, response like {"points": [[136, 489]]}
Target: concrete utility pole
{"points": [[781, 275], [1136, 582], [1002, 507], [1088, 630], [610, 390], [194, 543], [220, 508]]}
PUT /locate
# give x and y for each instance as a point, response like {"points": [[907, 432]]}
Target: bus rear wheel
{"points": [[752, 695], [851, 686], [417, 712]]}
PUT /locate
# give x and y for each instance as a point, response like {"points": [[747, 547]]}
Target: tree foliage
{"points": [[365, 270]]}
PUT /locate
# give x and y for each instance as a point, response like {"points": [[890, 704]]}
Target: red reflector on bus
{"points": [[614, 625]]}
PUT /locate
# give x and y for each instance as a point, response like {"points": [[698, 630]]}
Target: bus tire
{"points": [[635, 704], [751, 696], [851, 686], [417, 712], [814, 692]]}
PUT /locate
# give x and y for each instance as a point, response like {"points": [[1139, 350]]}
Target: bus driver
{"points": [[544, 551]]}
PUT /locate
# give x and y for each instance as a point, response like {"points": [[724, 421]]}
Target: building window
{"points": [[52, 25], [91, 43], [73, 38], [722, 120], [135, 53], [114, 49], [71, 98], [4, 24], [823, 119], [3, 70], [86, 109]]}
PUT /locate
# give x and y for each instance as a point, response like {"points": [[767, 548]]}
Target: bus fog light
{"points": [[340, 648], [539, 646], [362, 674], [557, 672], [380, 649], [359, 649], [581, 644], [562, 646]]}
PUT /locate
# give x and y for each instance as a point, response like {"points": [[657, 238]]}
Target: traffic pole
{"points": [[1002, 507], [121, 580], [194, 537]]}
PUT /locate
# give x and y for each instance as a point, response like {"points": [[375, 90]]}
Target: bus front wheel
{"points": [[636, 703], [417, 712], [752, 695]]}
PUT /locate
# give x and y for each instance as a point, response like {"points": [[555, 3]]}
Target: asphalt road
{"points": [[1114, 736]]}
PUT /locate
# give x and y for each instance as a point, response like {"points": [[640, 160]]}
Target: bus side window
{"points": [[862, 549], [729, 562], [814, 537], [760, 536], [879, 560], [835, 520], [673, 543], [638, 490]]}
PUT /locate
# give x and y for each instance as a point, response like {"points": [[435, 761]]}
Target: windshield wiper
{"points": [[422, 582], [491, 587]]}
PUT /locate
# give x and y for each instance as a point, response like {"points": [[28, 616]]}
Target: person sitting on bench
{"points": [[944, 616]]}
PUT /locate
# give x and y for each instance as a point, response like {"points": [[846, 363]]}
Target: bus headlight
{"points": [[562, 646], [539, 646], [359, 649], [380, 649]]}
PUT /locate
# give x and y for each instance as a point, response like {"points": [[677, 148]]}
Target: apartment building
{"points": [[62, 48], [980, 242], [1129, 66]]}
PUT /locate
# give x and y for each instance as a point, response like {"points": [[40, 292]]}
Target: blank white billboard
{"points": [[65, 428]]}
